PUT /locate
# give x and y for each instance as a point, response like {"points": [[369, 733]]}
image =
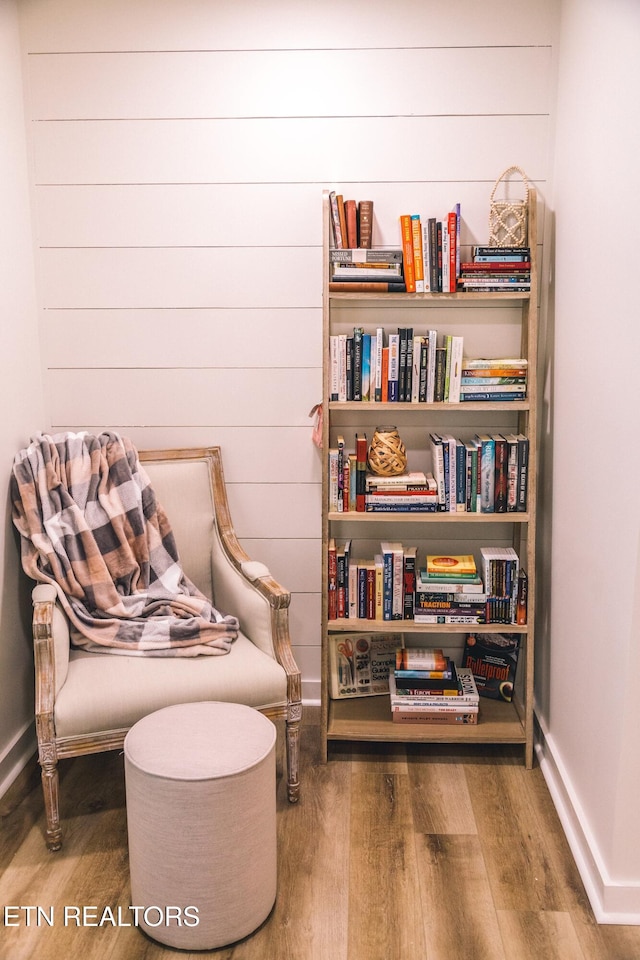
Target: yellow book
{"points": [[457, 565]]}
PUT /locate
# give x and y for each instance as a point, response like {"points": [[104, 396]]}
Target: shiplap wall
{"points": [[179, 152]]}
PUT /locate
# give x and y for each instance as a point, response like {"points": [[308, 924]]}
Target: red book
{"points": [[452, 227], [351, 217], [361, 471]]}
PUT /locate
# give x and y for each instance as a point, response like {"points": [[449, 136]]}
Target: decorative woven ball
{"points": [[387, 453]]}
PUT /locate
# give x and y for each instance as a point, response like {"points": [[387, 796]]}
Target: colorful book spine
{"points": [[406, 234]]}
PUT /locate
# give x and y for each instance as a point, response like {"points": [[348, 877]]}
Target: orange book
{"points": [[385, 374], [406, 232], [418, 261]]}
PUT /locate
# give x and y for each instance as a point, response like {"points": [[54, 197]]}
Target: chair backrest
{"points": [[182, 485]]}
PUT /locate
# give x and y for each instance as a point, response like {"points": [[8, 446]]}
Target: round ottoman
{"points": [[201, 819]]}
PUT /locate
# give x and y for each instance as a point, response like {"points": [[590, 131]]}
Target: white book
{"points": [[455, 373], [334, 368], [342, 367]]}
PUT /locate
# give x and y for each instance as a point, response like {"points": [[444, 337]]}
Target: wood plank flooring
{"points": [[424, 853]]}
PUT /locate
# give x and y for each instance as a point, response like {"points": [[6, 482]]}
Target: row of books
{"points": [[404, 367], [431, 252], [497, 270], [392, 587], [351, 222], [487, 474]]}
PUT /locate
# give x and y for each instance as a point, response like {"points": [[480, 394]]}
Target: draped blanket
{"points": [[91, 525]]}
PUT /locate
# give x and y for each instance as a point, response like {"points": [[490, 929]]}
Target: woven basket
{"points": [[508, 218], [387, 453]]}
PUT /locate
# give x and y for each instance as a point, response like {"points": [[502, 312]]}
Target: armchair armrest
{"points": [[50, 635]]}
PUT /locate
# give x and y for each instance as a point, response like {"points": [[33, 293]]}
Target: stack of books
{"points": [[449, 590], [366, 271], [427, 687], [413, 492], [500, 379], [497, 270]]}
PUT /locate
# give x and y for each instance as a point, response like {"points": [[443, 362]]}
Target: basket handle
{"points": [[514, 169]]}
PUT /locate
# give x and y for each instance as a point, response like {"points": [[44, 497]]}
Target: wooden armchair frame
{"points": [[255, 576]]}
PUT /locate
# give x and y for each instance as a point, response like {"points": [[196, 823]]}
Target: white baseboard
{"points": [[16, 756], [611, 902]]}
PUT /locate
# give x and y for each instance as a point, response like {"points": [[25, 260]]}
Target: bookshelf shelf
{"points": [[503, 325], [354, 517], [410, 626], [369, 719]]}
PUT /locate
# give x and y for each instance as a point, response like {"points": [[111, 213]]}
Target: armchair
{"points": [[86, 702]]}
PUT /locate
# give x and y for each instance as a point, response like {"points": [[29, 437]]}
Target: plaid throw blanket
{"points": [[90, 524]]}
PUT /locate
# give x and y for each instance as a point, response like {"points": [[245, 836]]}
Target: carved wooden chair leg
{"points": [[294, 716], [49, 765]]}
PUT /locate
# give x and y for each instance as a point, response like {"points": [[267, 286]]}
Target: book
{"points": [[338, 238], [487, 472], [420, 658], [503, 363], [360, 664], [406, 235], [455, 373], [458, 566], [500, 470], [332, 578], [351, 218], [366, 272], [342, 218], [365, 224], [398, 715], [369, 286], [393, 388], [409, 585], [522, 597], [418, 259], [493, 660], [467, 699], [361, 471], [454, 253], [384, 255]]}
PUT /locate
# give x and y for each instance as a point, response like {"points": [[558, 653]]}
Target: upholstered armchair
{"points": [[86, 702]]}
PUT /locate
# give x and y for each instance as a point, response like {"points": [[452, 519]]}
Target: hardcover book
{"points": [[360, 664], [493, 659]]}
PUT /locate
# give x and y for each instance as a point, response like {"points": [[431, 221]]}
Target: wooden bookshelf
{"points": [[369, 718]]}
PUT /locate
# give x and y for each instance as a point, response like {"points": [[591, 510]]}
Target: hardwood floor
{"points": [[425, 854]]}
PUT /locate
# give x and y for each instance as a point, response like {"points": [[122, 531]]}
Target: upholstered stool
{"points": [[201, 813]]}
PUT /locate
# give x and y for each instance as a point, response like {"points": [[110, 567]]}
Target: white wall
{"points": [[178, 199], [20, 399], [591, 656]]}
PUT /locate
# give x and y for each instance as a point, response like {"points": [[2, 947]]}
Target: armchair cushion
{"points": [[109, 693]]}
